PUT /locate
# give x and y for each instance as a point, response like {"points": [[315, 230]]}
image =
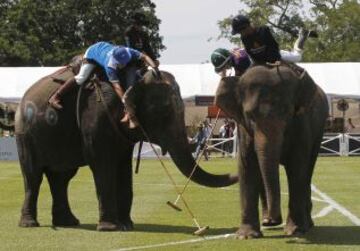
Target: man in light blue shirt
{"points": [[108, 56]]}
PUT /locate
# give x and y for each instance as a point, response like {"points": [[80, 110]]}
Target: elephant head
{"points": [[160, 111], [266, 102], [7, 115]]}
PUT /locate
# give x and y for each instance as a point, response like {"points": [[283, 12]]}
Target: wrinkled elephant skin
{"points": [[50, 142], [280, 119]]}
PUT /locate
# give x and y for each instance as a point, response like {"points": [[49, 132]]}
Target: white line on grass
{"points": [[323, 212], [353, 218], [173, 243], [333, 204]]}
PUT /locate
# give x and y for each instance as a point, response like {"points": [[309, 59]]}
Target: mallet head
{"points": [[201, 230], [174, 206]]}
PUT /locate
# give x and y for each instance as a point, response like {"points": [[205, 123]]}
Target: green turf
{"points": [[156, 223]]}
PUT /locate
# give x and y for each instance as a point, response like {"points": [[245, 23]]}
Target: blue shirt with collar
{"points": [[102, 54]]}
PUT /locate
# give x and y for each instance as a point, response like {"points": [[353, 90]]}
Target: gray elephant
{"points": [[57, 143], [280, 118]]}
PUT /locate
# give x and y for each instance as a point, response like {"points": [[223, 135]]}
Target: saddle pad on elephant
{"points": [[299, 71]]}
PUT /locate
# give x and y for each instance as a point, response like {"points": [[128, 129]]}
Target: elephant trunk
{"points": [[268, 141], [181, 155]]}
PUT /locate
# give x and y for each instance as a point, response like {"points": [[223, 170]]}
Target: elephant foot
{"points": [[28, 222], [248, 232], [105, 226], [126, 225], [269, 222], [292, 229], [65, 221]]}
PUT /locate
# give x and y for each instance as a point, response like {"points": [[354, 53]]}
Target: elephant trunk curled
{"points": [[181, 155]]}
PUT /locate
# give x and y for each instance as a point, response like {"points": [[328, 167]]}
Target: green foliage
{"points": [[50, 32], [337, 22]]}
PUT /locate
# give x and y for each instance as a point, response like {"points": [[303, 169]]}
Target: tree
{"points": [[337, 22], [50, 32]]}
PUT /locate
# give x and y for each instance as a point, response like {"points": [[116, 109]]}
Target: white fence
{"points": [[332, 145]]}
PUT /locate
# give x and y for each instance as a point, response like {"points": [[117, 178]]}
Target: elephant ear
{"points": [[304, 94], [228, 97]]}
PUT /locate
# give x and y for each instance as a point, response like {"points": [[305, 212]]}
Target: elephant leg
{"points": [[61, 212], [310, 171], [250, 186], [32, 182], [32, 175], [125, 190], [298, 220], [104, 172], [267, 221]]}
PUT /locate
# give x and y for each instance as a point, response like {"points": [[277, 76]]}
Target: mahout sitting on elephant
{"points": [[57, 142], [280, 118], [112, 60]]}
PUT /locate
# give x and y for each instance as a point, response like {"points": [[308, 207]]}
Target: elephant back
{"points": [[34, 103], [49, 134]]}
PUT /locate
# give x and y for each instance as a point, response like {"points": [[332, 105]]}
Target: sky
{"points": [[186, 26]]}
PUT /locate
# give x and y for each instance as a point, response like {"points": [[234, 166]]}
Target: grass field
{"points": [[158, 227]]}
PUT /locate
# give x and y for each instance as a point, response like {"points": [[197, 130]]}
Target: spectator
{"points": [[208, 130], [225, 132], [200, 140], [349, 126]]}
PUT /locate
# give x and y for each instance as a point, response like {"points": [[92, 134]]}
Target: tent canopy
{"points": [[341, 79]]}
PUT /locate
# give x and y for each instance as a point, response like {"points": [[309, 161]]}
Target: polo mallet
{"points": [[174, 204], [200, 229], [138, 157]]}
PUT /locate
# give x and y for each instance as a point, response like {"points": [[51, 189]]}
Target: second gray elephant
{"points": [[280, 118]]}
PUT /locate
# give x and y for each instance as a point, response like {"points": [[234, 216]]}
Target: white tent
{"points": [[196, 79], [16, 80], [334, 78]]}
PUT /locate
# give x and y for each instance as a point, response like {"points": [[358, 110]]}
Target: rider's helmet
{"points": [[239, 23], [220, 59], [121, 55]]}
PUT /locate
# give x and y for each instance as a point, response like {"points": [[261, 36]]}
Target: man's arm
{"points": [[114, 80], [270, 40], [149, 61], [118, 89]]}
